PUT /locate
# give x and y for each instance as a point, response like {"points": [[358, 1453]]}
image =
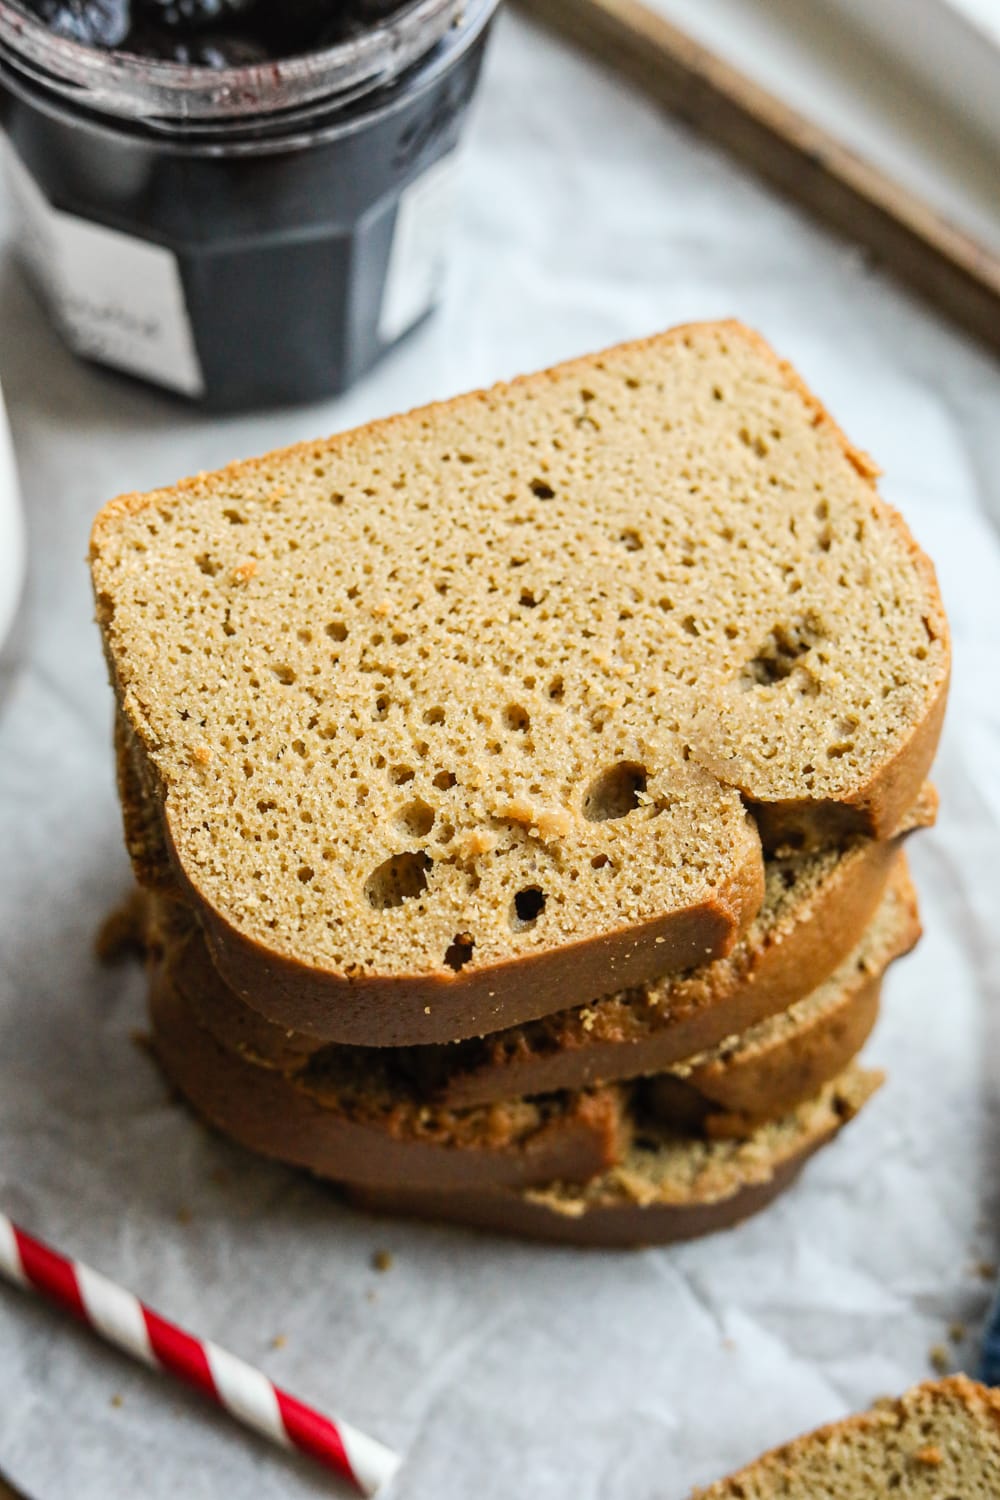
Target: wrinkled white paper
{"points": [[499, 1369]]}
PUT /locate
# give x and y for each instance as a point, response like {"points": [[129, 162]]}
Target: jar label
{"points": [[114, 298], [418, 257]]}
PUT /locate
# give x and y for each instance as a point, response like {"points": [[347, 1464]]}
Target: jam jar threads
{"points": [[242, 233]]}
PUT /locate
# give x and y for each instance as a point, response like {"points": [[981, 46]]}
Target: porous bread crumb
{"points": [[939, 1441], [623, 624]]}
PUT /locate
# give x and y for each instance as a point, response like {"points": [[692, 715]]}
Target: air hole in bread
{"points": [[337, 630], [400, 775], [779, 655], [416, 818], [397, 879], [459, 950], [615, 792], [557, 689], [517, 718], [631, 540], [444, 781], [527, 907], [541, 490]]}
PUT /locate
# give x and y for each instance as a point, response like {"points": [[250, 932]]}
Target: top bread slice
{"points": [[487, 702], [939, 1441]]}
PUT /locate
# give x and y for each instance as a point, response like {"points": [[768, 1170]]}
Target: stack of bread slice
{"points": [[520, 787]]}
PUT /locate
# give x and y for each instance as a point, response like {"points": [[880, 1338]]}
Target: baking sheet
{"points": [[497, 1368]]}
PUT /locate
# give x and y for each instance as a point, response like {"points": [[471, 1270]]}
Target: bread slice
{"points": [[939, 1441], [362, 1116], [463, 711], [815, 914], [669, 1187]]}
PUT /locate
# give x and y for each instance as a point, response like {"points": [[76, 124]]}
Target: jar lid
{"points": [[140, 88]]}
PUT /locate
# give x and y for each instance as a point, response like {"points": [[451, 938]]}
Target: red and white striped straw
{"points": [[237, 1387]]}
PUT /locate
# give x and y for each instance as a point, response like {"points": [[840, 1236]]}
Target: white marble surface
{"points": [[499, 1369]]}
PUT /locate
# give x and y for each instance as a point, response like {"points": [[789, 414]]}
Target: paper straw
{"points": [[242, 1391]]}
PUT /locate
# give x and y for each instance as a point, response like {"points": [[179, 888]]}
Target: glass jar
{"points": [[246, 236]]}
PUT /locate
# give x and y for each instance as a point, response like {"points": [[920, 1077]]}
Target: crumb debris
{"points": [[279, 1341], [117, 1400], [940, 1359], [956, 1332], [184, 1214], [382, 1260]]}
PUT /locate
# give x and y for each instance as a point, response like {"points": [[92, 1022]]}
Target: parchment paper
{"points": [[499, 1369]]}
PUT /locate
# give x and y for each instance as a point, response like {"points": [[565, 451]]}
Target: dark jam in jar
{"points": [[242, 233]]}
